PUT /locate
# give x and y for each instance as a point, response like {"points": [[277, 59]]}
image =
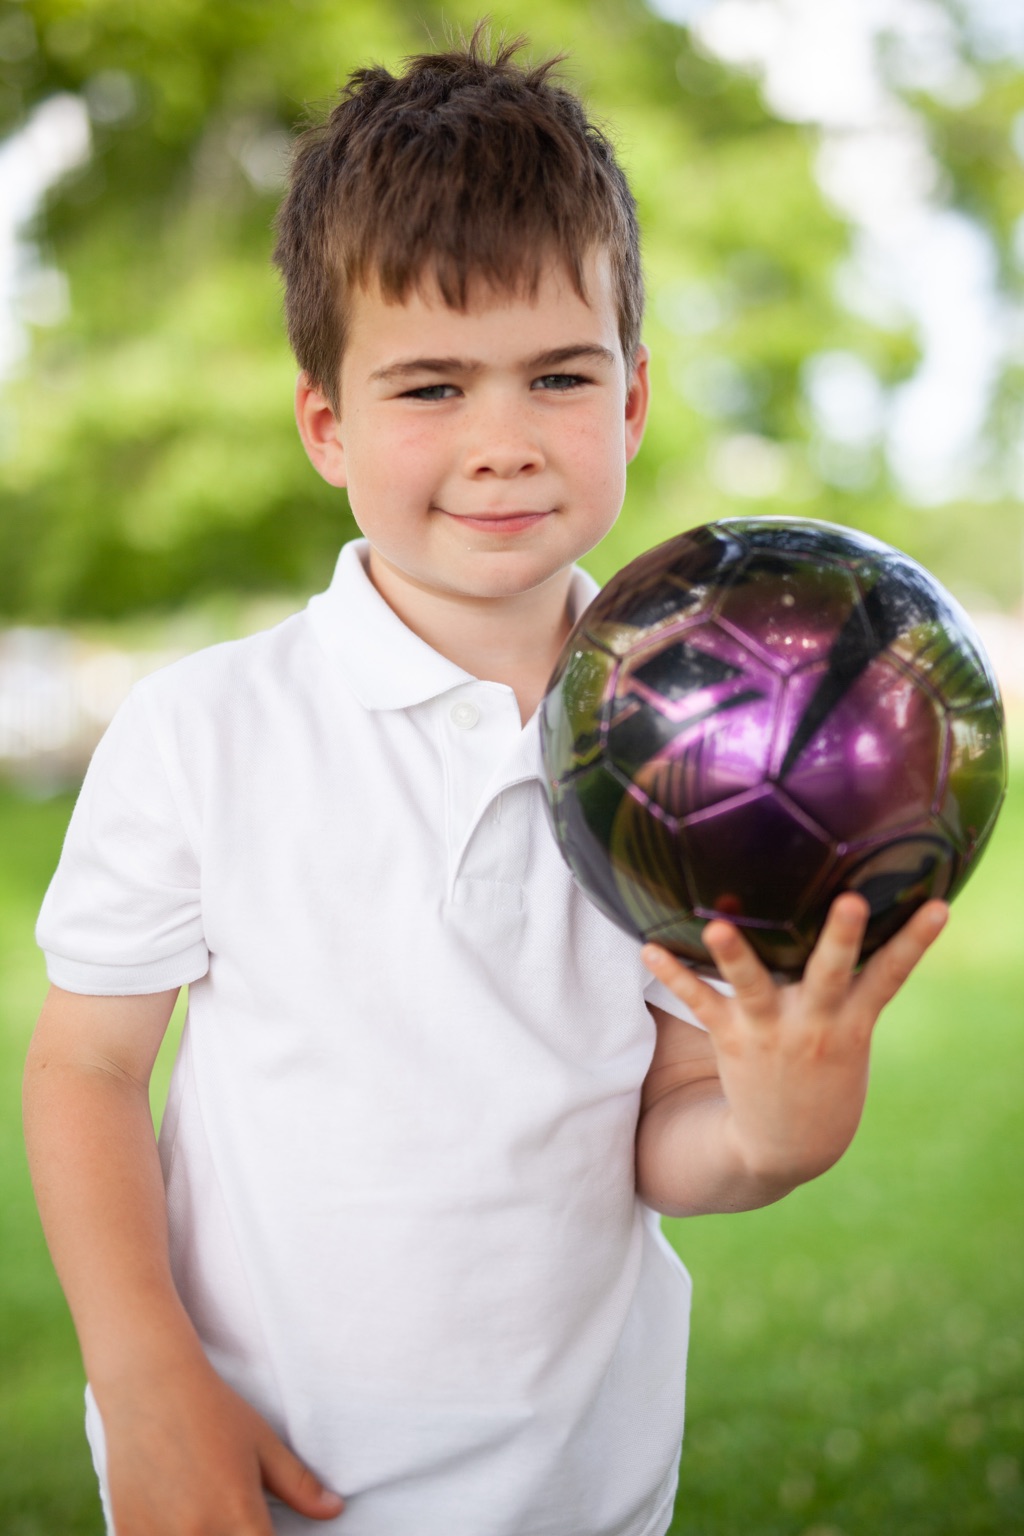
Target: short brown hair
{"points": [[468, 165]]}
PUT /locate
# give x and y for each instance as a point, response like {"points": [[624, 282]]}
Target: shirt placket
{"points": [[480, 735]]}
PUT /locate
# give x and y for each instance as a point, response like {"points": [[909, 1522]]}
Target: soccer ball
{"points": [[758, 715]]}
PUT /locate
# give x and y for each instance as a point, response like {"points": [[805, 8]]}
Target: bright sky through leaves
{"points": [[818, 63]]}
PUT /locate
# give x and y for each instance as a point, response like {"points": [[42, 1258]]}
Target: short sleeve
{"points": [[123, 913]]}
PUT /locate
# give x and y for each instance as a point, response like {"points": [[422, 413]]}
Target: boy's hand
{"points": [[186, 1456], [792, 1060]]}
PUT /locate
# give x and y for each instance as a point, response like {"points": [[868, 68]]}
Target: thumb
{"points": [[290, 1480]]}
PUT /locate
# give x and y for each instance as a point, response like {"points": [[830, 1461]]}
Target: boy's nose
{"points": [[504, 463], [504, 452]]}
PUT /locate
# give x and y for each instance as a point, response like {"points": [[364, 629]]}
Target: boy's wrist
{"points": [[151, 1338]]}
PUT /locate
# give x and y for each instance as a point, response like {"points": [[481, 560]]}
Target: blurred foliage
{"points": [[147, 453]]}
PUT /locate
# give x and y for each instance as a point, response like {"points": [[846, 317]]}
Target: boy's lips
{"points": [[501, 522]]}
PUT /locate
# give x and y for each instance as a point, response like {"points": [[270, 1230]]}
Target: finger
{"points": [[739, 966], [889, 967], [829, 971], [707, 1004], [290, 1480]]}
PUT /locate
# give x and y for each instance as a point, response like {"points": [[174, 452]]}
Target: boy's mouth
{"points": [[501, 522]]}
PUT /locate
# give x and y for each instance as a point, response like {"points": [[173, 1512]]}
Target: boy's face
{"points": [[484, 451]]}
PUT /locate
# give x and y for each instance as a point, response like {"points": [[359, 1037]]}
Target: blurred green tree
{"points": [[147, 454]]}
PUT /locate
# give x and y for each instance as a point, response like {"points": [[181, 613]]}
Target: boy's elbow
{"points": [[687, 1163]]}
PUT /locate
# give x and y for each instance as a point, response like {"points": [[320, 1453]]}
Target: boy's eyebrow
{"points": [[556, 357], [586, 351]]}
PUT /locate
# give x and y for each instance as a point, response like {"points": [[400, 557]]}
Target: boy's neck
{"points": [[514, 640]]}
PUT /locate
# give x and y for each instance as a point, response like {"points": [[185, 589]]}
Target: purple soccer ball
{"points": [[758, 715]]}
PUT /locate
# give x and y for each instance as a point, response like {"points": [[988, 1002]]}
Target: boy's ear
{"points": [[638, 398], [320, 431]]}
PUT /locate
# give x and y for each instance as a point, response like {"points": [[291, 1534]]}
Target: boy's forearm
{"points": [[184, 1451], [687, 1162], [97, 1179]]}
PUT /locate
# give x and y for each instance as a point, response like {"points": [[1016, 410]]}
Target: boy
{"points": [[400, 1240]]}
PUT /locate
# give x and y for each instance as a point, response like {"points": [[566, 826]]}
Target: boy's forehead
{"points": [[502, 313]]}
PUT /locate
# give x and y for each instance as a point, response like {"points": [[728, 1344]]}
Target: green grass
{"points": [[46, 1482], [857, 1363]]}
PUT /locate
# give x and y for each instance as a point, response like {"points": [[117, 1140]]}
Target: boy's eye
{"points": [[559, 381], [431, 392]]}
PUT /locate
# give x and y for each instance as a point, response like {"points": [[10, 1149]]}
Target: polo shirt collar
{"points": [[386, 664]]}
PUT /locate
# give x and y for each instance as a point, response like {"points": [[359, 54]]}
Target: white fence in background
{"points": [[58, 692]]}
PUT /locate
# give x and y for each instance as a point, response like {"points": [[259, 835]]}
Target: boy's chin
{"points": [[475, 574], [508, 574]]}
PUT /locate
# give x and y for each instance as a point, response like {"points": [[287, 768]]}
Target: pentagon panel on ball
{"points": [[758, 715]]}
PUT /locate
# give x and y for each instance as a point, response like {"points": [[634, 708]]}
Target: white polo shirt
{"points": [[399, 1141]]}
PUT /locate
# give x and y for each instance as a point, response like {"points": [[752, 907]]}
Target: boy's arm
{"points": [[772, 1094], [184, 1451]]}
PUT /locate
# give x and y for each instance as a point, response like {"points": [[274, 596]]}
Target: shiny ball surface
{"points": [[758, 715]]}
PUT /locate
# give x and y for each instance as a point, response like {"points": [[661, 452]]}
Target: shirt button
{"points": [[464, 715]]}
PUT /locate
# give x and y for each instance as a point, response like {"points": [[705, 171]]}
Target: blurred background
{"points": [[832, 194]]}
